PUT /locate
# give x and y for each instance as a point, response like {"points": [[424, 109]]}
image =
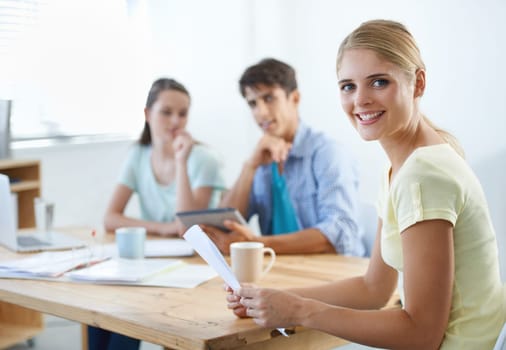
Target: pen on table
{"points": [[91, 263], [90, 248]]}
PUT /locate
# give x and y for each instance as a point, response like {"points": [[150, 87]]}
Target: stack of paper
{"points": [[81, 265], [49, 264], [124, 270], [157, 248], [145, 272]]}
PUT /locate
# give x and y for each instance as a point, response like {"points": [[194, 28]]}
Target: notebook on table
{"points": [[27, 242]]}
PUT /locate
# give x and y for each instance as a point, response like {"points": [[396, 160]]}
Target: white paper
{"points": [[51, 264], [210, 253], [123, 270], [182, 276], [167, 247], [156, 248]]}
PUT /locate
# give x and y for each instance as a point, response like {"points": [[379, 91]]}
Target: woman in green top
{"points": [[167, 168], [169, 172], [435, 238]]}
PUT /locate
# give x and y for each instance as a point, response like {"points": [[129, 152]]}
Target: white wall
{"points": [[492, 173], [461, 44], [207, 45]]}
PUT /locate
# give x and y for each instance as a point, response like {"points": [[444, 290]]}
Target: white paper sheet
{"points": [[124, 270], [185, 276], [182, 276], [167, 247], [51, 264], [210, 253], [156, 248]]}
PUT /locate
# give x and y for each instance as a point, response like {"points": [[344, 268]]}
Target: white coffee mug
{"points": [[130, 242], [248, 259]]}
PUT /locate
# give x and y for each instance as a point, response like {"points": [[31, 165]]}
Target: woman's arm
{"points": [[115, 218], [428, 279], [371, 291], [187, 198]]}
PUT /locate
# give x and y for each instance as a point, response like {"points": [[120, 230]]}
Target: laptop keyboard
{"points": [[28, 241]]}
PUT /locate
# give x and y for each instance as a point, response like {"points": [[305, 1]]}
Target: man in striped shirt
{"points": [[320, 175]]}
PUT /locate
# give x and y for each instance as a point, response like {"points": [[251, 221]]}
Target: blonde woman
{"points": [[435, 237]]}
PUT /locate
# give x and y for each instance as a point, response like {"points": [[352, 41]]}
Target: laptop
{"points": [[27, 242]]}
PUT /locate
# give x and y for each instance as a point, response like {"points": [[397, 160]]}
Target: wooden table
{"points": [[183, 318]]}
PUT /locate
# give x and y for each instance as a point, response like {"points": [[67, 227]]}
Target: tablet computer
{"points": [[212, 217]]}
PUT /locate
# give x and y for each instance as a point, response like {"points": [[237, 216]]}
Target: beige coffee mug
{"points": [[248, 260]]}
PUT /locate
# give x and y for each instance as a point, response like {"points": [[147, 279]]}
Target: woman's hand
{"points": [[167, 229], [182, 145], [269, 308], [234, 303]]}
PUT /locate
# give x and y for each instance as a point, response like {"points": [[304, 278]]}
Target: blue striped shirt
{"points": [[322, 180]]}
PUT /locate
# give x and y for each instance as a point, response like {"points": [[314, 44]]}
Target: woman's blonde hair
{"points": [[393, 42]]}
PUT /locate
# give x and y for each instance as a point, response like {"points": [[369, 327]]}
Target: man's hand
{"points": [[270, 149], [223, 239]]}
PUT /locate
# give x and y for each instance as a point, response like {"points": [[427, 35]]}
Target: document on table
{"points": [[123, 270], [83, 267], [167, 247], [49, 264], [206, 248], [145, 272], [156, 248]]}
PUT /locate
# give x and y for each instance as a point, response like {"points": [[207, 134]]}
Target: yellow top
{"points": [[436, 183]]}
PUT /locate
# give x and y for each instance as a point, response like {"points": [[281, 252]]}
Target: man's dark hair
{"points": [[269, 71]]}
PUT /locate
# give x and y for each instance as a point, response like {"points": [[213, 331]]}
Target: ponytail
{"points": [[449, 138]]}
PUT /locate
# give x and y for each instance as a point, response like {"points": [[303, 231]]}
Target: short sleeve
{"points": [[128, 175], [426, 192], [205, 168]]}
